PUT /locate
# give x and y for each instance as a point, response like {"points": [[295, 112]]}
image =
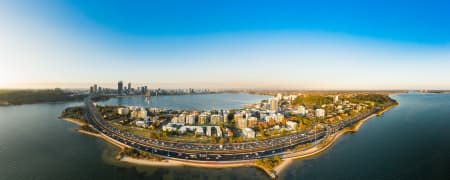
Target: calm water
{"points": [[34, 144], [191, 102], [409, 142]]}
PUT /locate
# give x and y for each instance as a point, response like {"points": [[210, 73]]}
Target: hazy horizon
{"points": [[258, 44], [86, 86]]}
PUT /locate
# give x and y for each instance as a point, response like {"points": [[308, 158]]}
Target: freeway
{"points": [[212, 152]]}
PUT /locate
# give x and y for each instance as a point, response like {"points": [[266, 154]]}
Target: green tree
{"points": [[277, 159], [222, 140], [213, 140]]}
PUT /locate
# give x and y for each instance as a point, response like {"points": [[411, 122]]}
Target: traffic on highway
{"points": [[214, 152]]}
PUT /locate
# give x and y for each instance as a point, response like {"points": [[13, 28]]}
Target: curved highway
{"points": [[212, 152]]}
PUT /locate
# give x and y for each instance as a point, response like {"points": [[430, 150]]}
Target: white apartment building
{"points": [[190, 119], [248, 133], [216, 119], [123, 111], [320, 113]]}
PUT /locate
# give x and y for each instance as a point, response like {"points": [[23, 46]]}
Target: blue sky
{"points": [[227, 44]]}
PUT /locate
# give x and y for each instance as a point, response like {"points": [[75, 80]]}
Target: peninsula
{"points": [[268, 134]]}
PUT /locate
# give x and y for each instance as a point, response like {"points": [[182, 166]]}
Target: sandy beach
{"points": [[163, 163], [90, 133], [75, 121]]}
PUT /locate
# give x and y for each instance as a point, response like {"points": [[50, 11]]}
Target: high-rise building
{"points": [[240, 121], [143, 89], [120, 87], [273, 104], [95, 88], [129, 86], [225, 117]]}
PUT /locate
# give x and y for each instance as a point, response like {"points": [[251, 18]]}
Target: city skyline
{"points": [[289, 45]]}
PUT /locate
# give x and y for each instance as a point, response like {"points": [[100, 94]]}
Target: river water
{"points": [[411, 141], [190, 102]]}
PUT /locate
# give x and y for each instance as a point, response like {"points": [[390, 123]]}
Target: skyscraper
{"points": [[95, 88], [129, 88], [240, 121], [273, 104], [120, 87]]}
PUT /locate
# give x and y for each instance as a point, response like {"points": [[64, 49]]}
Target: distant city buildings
{"points": [[144, 90], [120, 87], [95, 88]]}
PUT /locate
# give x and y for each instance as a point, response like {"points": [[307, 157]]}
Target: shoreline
{"points": [[99, 135], [287, 159], [355, 128], [272, 173], [210, 165], [78, 122], [387, 109]]}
